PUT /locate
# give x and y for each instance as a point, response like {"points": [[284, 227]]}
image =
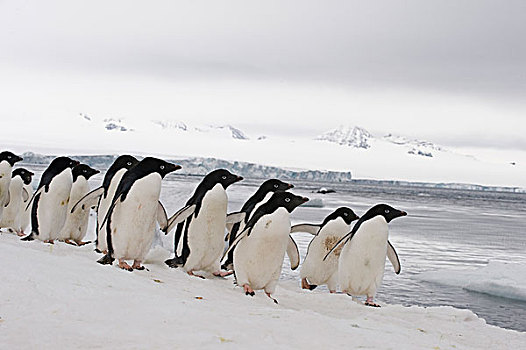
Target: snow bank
{"points": [[56, 296], [499, 279]]}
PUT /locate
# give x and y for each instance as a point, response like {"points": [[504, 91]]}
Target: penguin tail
{"points": [[28, 238], [106, 260], [312, 287], [175, 262]]}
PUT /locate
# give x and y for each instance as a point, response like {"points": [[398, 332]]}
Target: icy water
{"points": [[445, 229]]}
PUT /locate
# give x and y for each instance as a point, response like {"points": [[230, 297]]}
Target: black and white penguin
{"points": [[13, 211], [134, 210], [26, 211], [315, 271], [7, 160], [261, 196], [102, 196], [202, 232], [76, 224], [362, 259], [50, 201], [260, 249]]}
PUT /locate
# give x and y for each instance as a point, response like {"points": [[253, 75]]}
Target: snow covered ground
{"points": [[57, 296]]}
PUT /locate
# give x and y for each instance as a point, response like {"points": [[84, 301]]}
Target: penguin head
{"points": [[287, 200], [25, 174], [83, 170], [275, 185], [221, 176], [125, 161], [155, 165], [9, 157], [388, 212], [343, 212], [61, 163]]}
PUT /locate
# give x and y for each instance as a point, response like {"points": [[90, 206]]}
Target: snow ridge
{"points": [[356, 137]]}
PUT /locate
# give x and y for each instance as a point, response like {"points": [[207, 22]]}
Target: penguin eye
{"points": [[387, 211], [162, 167], [84, 171], [346, 214], [9, 157], [129, 163], [287, 199], [223, 177], [276, 185]]}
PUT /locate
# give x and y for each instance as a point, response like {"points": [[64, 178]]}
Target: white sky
{"points": [[453, 72]]}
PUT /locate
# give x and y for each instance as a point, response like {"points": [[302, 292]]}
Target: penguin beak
{"points": [[304, 199], [403, 213], [18, 159], [291, 186], [239, 178], [175, 167]]}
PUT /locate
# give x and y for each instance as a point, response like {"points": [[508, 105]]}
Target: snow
{"points": [[57, 296], [506, 280], [382, 160]]}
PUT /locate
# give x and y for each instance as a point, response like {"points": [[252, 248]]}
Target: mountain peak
{"points": [[353, 136]]}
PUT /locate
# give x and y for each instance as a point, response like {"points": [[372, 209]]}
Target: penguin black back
{"points": [[122, 162], [56, 166], [342, 212]]}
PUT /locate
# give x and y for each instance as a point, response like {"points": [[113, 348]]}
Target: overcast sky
{"points": [[453, 72]]}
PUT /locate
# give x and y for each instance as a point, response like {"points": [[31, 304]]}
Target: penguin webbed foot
{"points": [[124, 265], [370, 302], [80, 243], [70, 242], [137, 266], [305, 284], [248, 290], [106, 260], [28, 238], [175, 262], [191, 273], [222, 273], [268, 295]]}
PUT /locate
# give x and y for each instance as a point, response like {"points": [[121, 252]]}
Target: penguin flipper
{"points": [[309, 228], [393, 258], [342, 240], [293, 254], [162, 218], [25, 194], [233, 218], [180, 216], [8, 199], [235, 242], [89, 200], [34, 195]]}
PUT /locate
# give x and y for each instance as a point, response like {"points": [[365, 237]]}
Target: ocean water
{"points": [[445, 230]]}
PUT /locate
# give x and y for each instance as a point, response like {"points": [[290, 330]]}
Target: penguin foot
{"points": [[174, 262], [222, 273], [28, 238], [268, 295], [70, 242], [137, 266], [124, 265], [248, 290], [227, 266], [306, 285], [20, 234], [333, 292], [97, 250], [191, 273], [80, 243], [106, 260], [50, 241], [370, 302]]}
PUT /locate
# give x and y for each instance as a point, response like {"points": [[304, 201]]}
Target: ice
{"points": [[506, 280]]}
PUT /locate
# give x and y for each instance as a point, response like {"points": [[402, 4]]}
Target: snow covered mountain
{"points": [[343, 150]]}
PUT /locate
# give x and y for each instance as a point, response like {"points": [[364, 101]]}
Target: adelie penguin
{"points": [[260, 249], [14, 213], [201, 225], [362, 258], [102, 196], [25, 219], [134, 210], [76, 223], [261, 196], [315, 271], [7, 160], [49, 203]]}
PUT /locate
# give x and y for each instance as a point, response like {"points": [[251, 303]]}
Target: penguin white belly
{"points": [[362, 260], [12, 215], [76, 223], [5, 180], [133, 220], [25, 214], [207, 231], [258, 258], [104, 205], [53, 206], [317, 271]]}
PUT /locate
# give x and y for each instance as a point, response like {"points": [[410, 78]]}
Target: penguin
{"points": [[7, 160], [13, 212], [102, 196], [362, 259], [135, 207], [260, 249], [262, 195], [76, 224], [314, 270], [25, 218], [50, 201], [203, 231]]}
